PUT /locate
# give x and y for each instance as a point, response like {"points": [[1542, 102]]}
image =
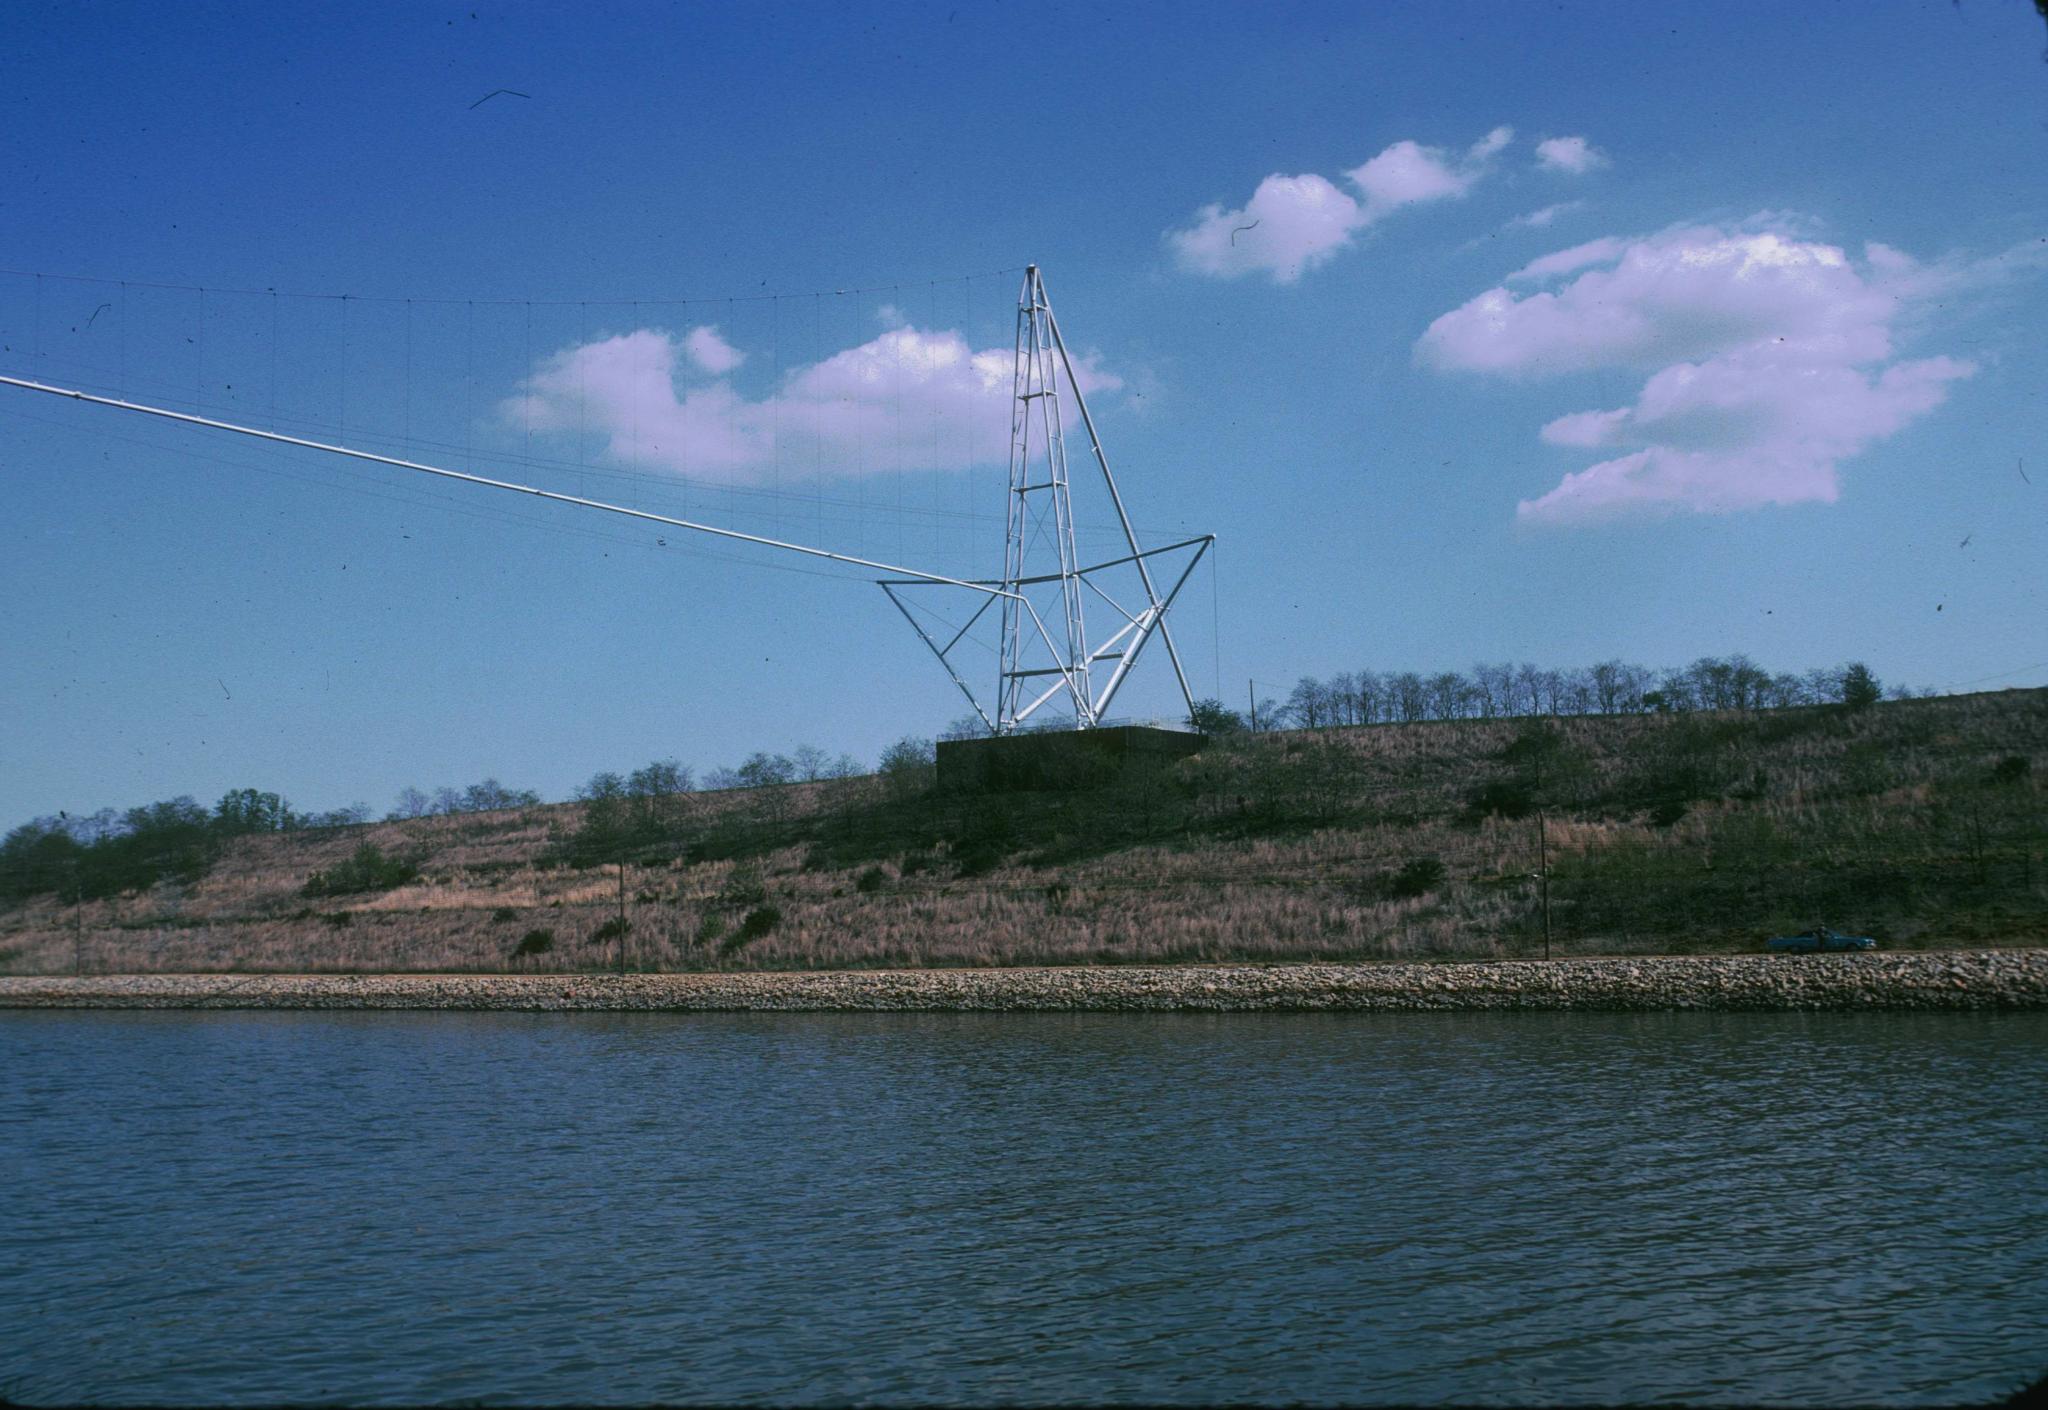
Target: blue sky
{"points": [[1564, 333]]}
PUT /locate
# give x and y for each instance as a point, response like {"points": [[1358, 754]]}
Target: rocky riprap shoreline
{"points": [[1932, 980]]}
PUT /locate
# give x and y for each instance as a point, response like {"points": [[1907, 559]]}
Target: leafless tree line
{"points": [[487, 796], [1504, 691]]}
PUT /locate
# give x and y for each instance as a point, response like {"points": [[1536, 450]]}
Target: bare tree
{"points": [[760, 770], [1344, 699], [1576, 691], [1371, 696], [1447, 695], [909, 766], [660, 779], [1411, 696], [965, 727], [1823, 684], [1491, 688], [1609, 680], [1309, 704]]}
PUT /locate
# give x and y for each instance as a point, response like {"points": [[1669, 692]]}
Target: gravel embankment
{"points": [[1977, 979]]}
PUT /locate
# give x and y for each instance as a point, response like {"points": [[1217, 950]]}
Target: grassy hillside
{"points": [[1921, 822]]}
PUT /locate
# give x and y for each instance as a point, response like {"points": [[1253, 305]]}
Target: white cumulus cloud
{"points": [[1491, 143], [1408, 172], [1291, 224], [663, 401], [711, 352], [1598, 251], [1770, 359], [1544, 218], [1574, 156]]}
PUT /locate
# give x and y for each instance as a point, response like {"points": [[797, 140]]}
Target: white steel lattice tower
{"points": [[1043, 653], [1040, 579]]}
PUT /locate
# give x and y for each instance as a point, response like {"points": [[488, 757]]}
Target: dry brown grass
{"points": [[1882, 819]]}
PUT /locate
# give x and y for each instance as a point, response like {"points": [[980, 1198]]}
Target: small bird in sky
{"points": [[495, 92]]}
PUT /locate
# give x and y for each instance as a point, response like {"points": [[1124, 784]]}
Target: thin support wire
{"points": [[273, 362], [344, 369], [352, 453], [669, 301], [468, 386], [582, 380], [1216, 617], [408, 378]]}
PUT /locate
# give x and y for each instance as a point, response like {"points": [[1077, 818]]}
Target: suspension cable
{"points": [[579, 500]]}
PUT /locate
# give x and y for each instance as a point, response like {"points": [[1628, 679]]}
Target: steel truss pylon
{"points": [[1039, 505], [1044, 653]]}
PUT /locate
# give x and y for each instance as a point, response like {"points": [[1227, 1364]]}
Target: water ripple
{"points": [[1480, 1208]]}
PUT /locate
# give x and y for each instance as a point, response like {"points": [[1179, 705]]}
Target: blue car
{"points": [[1817, 940]]}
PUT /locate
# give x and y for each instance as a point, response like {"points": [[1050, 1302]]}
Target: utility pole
{"points": [[622, 917], [1542, 848], [77, 920], [1251, 695]]}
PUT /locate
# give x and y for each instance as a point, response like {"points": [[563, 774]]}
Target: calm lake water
{"points": [[1527, 1208]]}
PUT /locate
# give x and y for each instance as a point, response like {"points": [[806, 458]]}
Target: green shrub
{"points": [[340, 920], [534, 942], [908, 767], [1211, 718], [612, 929], [368, 870], [1417, 877], [1695, 779], [2012, 769], [503, 914], [1508, 797], [744, 887], [985, 841], [175, 840], [1860, 689], [756, 923], [1535, 744], [871, 881], [1667, 813], [710, 927], [979, 857]]}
